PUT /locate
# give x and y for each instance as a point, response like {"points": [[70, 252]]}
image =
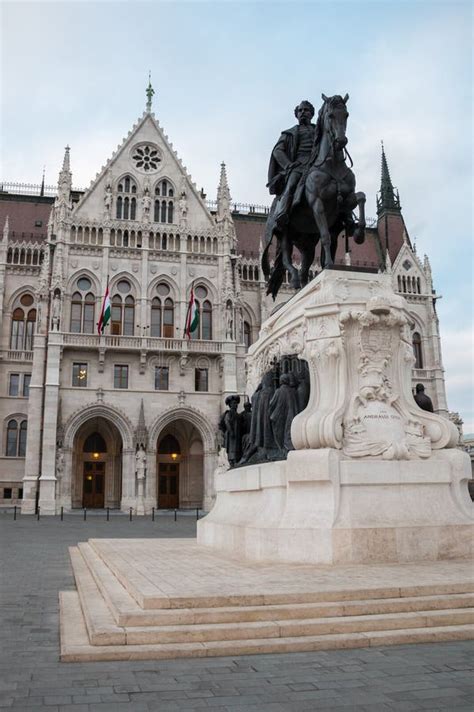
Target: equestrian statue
{"points": [[314, 193]]}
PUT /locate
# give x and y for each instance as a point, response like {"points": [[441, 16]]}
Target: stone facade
{"points": [[75, 406]]}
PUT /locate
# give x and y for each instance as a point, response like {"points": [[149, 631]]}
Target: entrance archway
{"points": [[97, 465], [180, 466]]}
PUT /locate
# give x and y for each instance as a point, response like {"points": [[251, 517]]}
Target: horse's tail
{"points": [[275, 280]]}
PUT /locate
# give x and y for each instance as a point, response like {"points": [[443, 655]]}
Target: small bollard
{"points": [[38, 514], [175, 515], [152, 514], [131, 510], [14, 513], [197, 512], [108, 514], [85, 514], [62, 513]]}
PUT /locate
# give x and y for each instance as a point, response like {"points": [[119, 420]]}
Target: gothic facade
{"points": [[130, 418]]}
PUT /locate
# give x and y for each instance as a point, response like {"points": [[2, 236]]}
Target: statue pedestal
{"points": [[373, 478]]}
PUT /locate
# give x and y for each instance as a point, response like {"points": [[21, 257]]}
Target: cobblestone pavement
{"points": [[35, 565]]}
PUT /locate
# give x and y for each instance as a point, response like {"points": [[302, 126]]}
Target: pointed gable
{"points": [[147, 157]]}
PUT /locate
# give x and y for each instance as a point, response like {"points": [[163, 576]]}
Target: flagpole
{"points": [[188, 310]]}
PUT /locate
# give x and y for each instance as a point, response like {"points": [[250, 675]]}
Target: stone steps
{"points": [[76, 647], [103, 620]]}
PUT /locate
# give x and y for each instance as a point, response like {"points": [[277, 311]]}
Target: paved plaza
{"points": [[35, 565]]}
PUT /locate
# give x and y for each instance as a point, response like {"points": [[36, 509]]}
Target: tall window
{"points": [[23, 325], [162, 375], [204, 306], [16, 438], [247, 334], [79, 375], [126, 205], [14, 384], [120, 376], [417, 350], [162, 312], [123, 310], [26, 385], [83, 308], [164, 202], [201, 379]]}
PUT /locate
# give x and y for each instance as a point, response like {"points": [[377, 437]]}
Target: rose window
{"points": [[146, 158]]}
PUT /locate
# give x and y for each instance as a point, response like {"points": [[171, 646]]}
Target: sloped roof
{"points": [[24, 211]]}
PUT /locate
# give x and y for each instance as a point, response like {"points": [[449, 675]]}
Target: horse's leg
{"points": [[286, 253], [307, 256], [322, 225], [359, 232]]}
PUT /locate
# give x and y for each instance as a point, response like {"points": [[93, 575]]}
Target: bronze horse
{"points": [[323, 203]]}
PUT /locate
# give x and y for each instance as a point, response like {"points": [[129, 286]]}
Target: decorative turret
{"points": [[387, 198], [141, 431], [223, 197], [65, 175]]}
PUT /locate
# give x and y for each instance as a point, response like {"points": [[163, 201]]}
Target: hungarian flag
{"points": [[192, 317], [105, 312]]}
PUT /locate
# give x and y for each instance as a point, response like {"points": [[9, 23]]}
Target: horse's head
{"points": [[333, 116]]}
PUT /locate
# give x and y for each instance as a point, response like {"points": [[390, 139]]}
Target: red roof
{"points": [[25, 213]]}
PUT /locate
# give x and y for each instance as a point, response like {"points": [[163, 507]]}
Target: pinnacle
{"points": [[388, 198]]}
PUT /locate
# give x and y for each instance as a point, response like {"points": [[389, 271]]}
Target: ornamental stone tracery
{"points": [[146, 158]]}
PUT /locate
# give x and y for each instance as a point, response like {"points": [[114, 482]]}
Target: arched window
{"points": [[16, 438], [416, 341], [164, 207], [204, 306], [126, 202], [23, 325], [83, 308], [162, 312], [123, 310], [247, 334]]}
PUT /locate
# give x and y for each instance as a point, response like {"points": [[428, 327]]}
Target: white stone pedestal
{"points": [[373, 478]]}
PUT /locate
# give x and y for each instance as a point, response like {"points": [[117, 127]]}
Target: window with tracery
{"points": [[23, 324], [204, 306], [417, 350], [162, 312], [126, 203], [123, 310], [16, 438], [83, 308], [164, 202], [146, 157]]}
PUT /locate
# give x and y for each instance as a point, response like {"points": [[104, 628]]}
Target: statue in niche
{"points": [[422, 400], [282, 410], [230, 427], [303, 385], [146, 204], [108, 199], [56, 311], [59, 463], [229, 322], [140, 463]]}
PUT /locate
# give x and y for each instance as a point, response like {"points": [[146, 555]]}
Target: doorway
{"points": [[94, 485], [168, 485]]}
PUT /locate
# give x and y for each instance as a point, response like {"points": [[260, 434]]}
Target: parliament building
{"points": [[76, 407]]}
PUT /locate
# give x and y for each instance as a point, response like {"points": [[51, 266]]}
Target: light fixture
{"points": [[174, 455], [95, 455]]}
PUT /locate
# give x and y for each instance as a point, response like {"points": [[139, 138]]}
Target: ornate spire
{"points": [[388, 198], [42, 183], [223, 196], [141, 432], [149, 94], [65, 177]]}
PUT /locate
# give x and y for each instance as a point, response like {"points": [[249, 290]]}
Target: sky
{"points": [[227, 76]]}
